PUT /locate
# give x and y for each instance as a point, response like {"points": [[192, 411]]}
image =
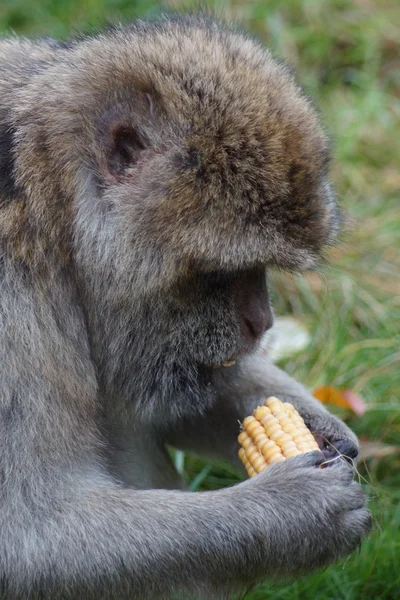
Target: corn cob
{"points": [[274, 433]]}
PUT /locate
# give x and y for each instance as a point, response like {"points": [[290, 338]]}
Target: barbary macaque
{"points": [[150, 177]]}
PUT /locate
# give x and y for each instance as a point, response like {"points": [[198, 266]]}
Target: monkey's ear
{"points": [[120, 142]]}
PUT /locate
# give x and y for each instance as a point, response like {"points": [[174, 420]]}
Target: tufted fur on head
{"points": [[192, 134]]}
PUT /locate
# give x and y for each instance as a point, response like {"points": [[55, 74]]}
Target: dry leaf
{"points": [[343, 398], [355, 402]]}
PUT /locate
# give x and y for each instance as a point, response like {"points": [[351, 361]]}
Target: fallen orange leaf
{"points": [[343, 398], [355, 402]]}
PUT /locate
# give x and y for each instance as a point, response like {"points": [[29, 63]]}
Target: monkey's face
{"points": [[209, 166], [181, 335]]}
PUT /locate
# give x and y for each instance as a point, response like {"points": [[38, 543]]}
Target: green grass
{"points": [[347, 56]]}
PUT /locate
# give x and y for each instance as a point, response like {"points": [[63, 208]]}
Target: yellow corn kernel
{"points": [[272, 434]]}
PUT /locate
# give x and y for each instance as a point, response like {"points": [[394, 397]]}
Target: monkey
{"points": [[151, 175]]}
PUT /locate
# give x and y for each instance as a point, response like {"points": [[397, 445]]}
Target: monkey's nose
{"points": [[257, 318], [253, 304], [257, 322]]}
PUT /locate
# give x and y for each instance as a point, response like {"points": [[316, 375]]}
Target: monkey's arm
{"points": [[68, 530], [94, 540], [242, 388]]}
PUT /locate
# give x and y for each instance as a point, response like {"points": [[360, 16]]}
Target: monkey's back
{"points": [[20, 59]]}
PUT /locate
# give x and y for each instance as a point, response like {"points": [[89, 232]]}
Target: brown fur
{"points": [[236, 137]]}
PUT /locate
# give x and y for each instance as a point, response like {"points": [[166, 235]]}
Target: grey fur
{"points": [[149, 176]]}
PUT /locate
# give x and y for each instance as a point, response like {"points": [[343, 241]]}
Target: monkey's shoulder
{"points": [[20, 58]]}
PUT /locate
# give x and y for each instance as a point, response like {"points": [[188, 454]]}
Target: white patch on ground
{"points": [[286, 338]]}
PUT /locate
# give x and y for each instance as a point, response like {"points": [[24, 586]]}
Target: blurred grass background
{"points": [[347, 56]]}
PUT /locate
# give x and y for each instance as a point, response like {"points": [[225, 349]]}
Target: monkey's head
{"points": [[195, 164]]}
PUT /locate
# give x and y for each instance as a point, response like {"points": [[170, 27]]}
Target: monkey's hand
{"points": [[333, 436], [301, 517], [240, 389], [256, 378]]}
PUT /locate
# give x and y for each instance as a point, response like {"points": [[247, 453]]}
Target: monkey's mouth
{"points": [[225, 364]]}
